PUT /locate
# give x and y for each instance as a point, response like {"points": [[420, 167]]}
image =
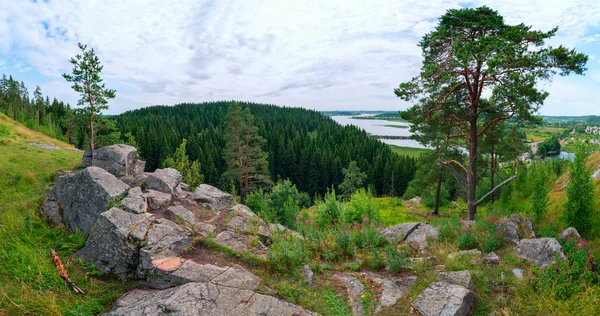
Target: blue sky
{"points": [[325, 55]]}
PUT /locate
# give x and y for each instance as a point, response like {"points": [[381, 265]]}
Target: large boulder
{"points": [[569, 233], [392, 287], [445, 299], [399, 232], [135, 202], [244, 220], [180, 213], [114, 240], [513, 228], [216, 198], [157, 199], [78, 199], [120, 160], [420, 235], [539, 251], [164, 240], [164, 180], [457, 277], [203, 299]]}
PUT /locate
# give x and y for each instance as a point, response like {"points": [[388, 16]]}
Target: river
{"points": [[378, 127], [562, 155]]}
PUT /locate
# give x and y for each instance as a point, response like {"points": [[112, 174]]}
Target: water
{"points": [[377, 127], [562, 155]]}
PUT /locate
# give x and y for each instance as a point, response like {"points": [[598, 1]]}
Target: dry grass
{"points": [[24, 134]]}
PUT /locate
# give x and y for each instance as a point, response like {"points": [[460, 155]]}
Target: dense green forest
{"points": [[303, 145]]}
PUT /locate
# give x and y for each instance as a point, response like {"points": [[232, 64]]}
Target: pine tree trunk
{"points": [[92, 134], [493, 168], [436, 210], [472, 170]]}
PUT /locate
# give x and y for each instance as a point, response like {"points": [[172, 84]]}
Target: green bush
{"points": [[361, 207], [286, 253], [258, 204], [395, 258], [329, 210]]}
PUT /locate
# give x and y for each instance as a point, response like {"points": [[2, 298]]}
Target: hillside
{"points": [[303, 145], [29, 282]]}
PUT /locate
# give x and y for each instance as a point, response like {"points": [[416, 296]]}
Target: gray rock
{"points": [[203, 299], [472, 252], [420, 235], [308, 274], [112, 246], [238, 277], [515, 218], [280, 229], [399, 232], [491, 258], [140, 165], [120, 160], [596, 175], [518, 273], [569, 233], [445, 299], [420, 260], [246, 221], [183, 213], [216, 198], [354, 288], [204, 229], [78, 199], [157, 199], [392, 287], [231, 239], [540, 251], [508, 230], [457, 277], [165, 239], [528, 231], [164, 180], [134, 204]]}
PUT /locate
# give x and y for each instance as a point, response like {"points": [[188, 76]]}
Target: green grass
{"points": [[392, 211], [409, 151], [29, 281]]}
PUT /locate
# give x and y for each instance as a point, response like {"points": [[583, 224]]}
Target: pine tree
{"points": [[246, 161], [580, 193], [354, 179], [191, 172], [86, 80]]}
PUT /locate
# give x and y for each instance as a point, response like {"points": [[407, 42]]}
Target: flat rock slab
{"points": [[216, 198], [392, 287], [231, 239], [182, 213], [164, 180], [457, 277], [203, 299], [445, 299], [165, 239], [78, 199], [354, 288], [540, 251]]}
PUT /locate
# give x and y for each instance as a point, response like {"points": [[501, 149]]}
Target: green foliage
{"points": [[257, 202], [360, 208], [190, 172], [396, 258], [549, 146], [567, 278], [130, 140], [539, 197], [482, 234], [329, 210], [283, 203], [287, 253], [579, 208], [353, 180]]}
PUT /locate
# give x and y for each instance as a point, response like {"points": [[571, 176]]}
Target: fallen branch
{"points": [[63, 273], [496, 188]]}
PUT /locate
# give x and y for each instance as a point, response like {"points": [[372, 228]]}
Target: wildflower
{"points": [[297, 218], [461, 220], [362, 296], [307, 221], [365, 219], [464, 230], [553, 219], [455, 233], [582, 243]]}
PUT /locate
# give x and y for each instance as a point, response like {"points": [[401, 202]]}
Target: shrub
{"points": [[361, 206], [286, 253], [258, 204], [328, 210], [395, 258]]}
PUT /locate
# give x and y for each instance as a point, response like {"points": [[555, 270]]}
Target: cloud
{"points": [[317, 54]]}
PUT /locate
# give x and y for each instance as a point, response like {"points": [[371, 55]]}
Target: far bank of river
{"points": [[382, 128]]}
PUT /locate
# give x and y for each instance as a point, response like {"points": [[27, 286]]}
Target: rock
{"points": [[190, 271], [569, 233], [157, 199], [416, 200], [399, 232], [457, 277], [540, 251], [164, 180], [354, 288], [216, 198], [515, 218], [392, 287], [120, 160], [472, 252], [140, 165], [113, 242], [182, 213], [135, 202], [308, 274], [419, 260], [78, 199], [60, 173], [469, 223], [280, 229], [246, 221], [441, 298], [518, 273], [203, 299], [204, 229], [165, 239], [231, 239], [508, 230], [528, 231], [421, 234], [596, 175], [491, 258]]}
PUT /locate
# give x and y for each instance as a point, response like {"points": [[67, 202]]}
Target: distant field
{"points": [[541, 133], [396, 126], [410, 151]]}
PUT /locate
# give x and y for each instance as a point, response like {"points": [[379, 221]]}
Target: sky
{"points": [[324, 55]]}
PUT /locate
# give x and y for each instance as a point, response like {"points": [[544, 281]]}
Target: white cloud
{"points": [[317, 54]]}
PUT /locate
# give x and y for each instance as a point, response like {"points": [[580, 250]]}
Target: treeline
{"points": [[302, 145]]}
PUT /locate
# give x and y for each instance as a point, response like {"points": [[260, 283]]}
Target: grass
{"points": [[392, 211], [409, 151], [29, 281], [541, 133]]}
